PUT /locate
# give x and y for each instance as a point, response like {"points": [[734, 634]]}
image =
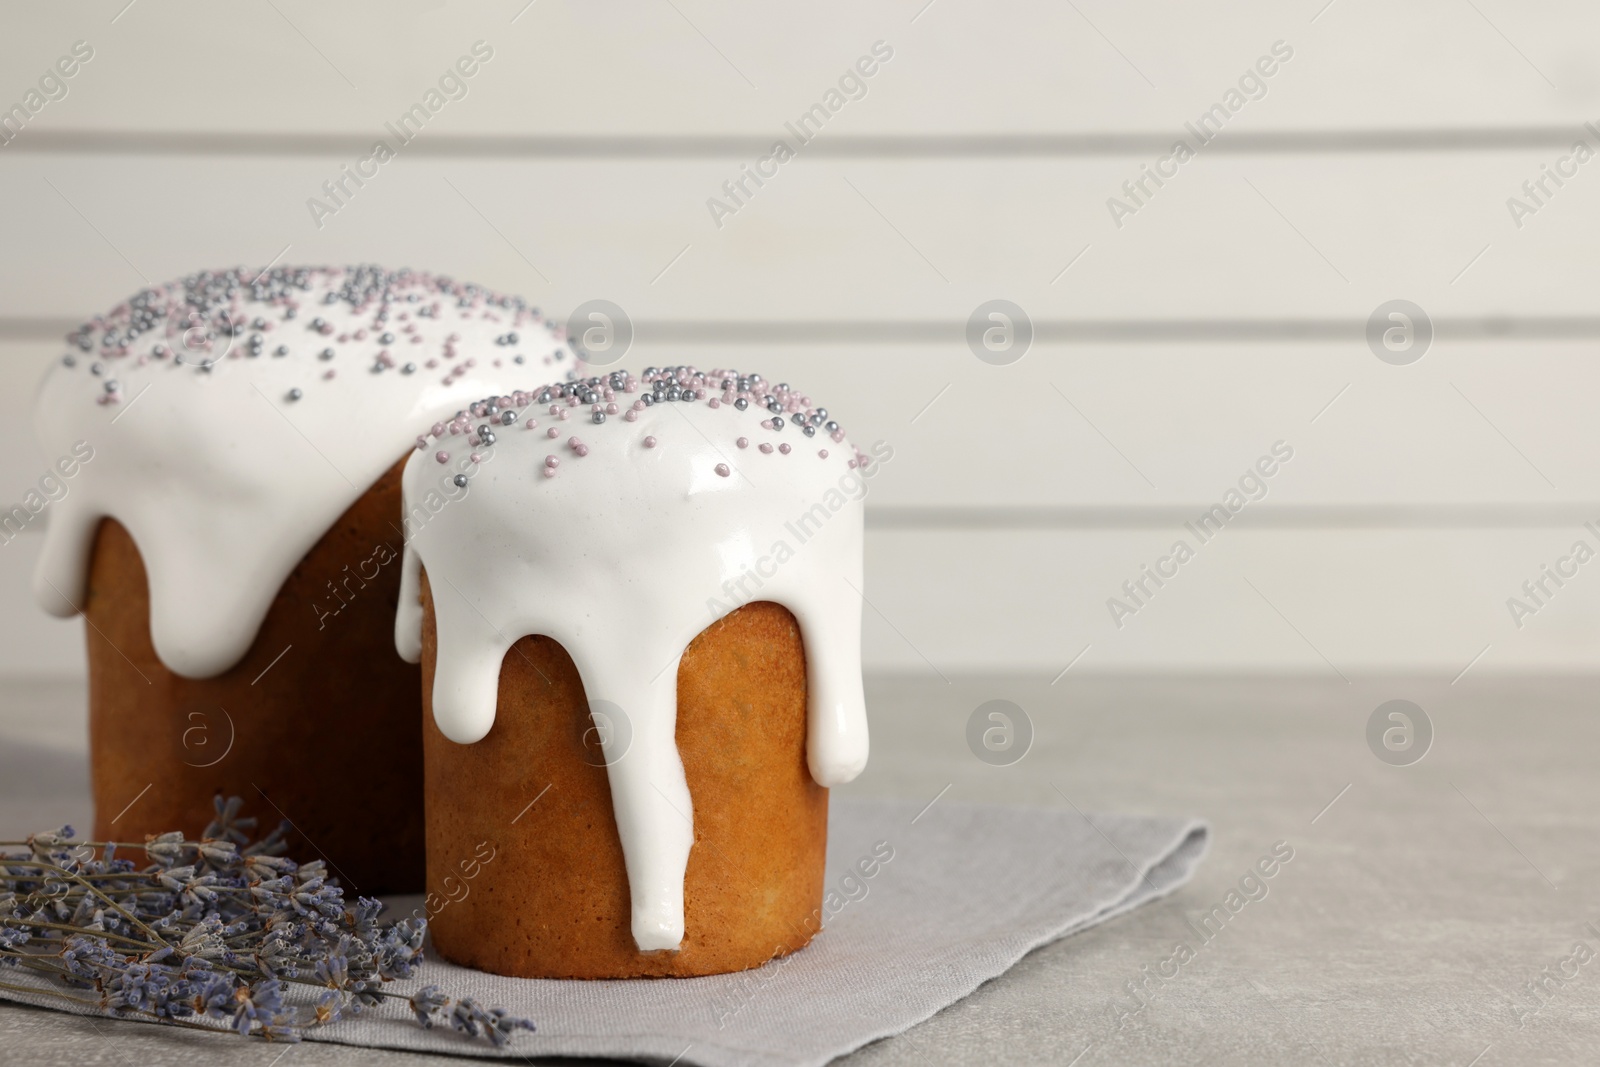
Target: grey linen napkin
{"points": [[956, 894]]}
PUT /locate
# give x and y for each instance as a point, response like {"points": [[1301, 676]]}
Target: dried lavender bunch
{"points": [[223, 928]]}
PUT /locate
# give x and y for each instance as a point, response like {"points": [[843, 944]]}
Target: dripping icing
{"points": [[237, 414]]}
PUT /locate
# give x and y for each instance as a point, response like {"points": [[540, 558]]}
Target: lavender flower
{"points": [[363, 918], [222, 928], [214, 995], [315, 897], [261, 1003], [86, 958], [204, 939], [472, 1019], [399, 948], [226, 825], [50, 843], [267, 868], [166, 849], [328, 1008], [137, 987], [220, 854], [334, 971], [426, 1003]]}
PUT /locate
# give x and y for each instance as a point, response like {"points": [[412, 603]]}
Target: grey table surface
{"points": [[1423, 906]]}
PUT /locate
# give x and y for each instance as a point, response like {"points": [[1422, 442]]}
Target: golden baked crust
{"points": [[551, 898], [328, 737]]}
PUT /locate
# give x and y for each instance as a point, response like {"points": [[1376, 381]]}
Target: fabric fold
{"points": [[921, 906]]}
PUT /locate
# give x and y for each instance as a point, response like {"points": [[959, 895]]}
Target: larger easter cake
{"points": [[233, 539]]}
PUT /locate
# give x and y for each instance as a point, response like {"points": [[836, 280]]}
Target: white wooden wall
{"points": [[1170, 351]]}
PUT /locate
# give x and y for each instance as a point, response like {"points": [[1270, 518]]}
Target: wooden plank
{"points": [[1337, 604], [1127, 437], [1340, 604], [1302, 247], [709, 67]]}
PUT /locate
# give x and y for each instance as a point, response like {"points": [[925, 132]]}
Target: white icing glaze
{"points": [[223, 481], [623, 557]]}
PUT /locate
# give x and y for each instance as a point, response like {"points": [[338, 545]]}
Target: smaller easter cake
{"points": [[638, 613]]}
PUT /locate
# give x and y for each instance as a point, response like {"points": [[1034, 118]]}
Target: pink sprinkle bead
{"points": [[532, 424], [611, 409], [476, 458], [552, 461], [649, 442], [823, 452], [766, 448], [743, 442], [549, 472], [722, 470], [784, 449], [552, 433], [582, 450], [422, 444], [442, 457], [632, 416]]}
